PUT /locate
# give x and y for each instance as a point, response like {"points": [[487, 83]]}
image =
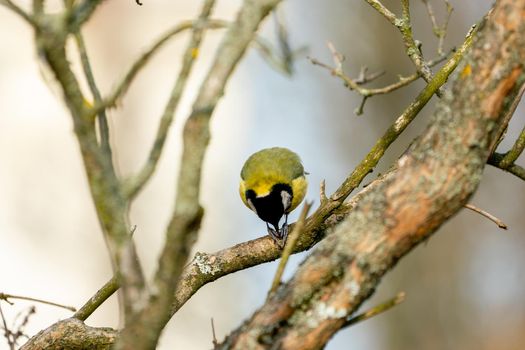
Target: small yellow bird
{"points": [[273, 183]]}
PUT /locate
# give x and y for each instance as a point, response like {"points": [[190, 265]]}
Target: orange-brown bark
{"points": [[432, 182]]}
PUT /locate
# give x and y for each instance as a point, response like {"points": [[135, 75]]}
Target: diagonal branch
{"points": [[516, 150], [72, 334], [355, 84], [90, 78], [185, 221], [206, 268], [133, 185], [404, 120], [19, 11], [495, 160], [110, 203], [81, 13], [429, 184], [404, 26], [123, 86], [439, 31]]}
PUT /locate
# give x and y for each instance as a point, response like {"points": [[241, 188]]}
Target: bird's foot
{"points": [[278, 236]]}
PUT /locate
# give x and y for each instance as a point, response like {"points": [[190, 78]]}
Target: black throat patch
{"points": [[270, 208]]}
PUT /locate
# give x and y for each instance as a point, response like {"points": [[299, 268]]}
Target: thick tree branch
{"points": [[432, 182], [206, 268], [72, 334], [182, 230], [211, 267], [110, 203]]}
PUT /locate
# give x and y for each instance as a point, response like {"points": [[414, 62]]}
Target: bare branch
{"points": [[355, 84], [110, 203], [18, 10], [489, 216], [506, 161], [214, 340], [373, 157], [390, 16], [206, 268], [72, 334], [376, 310], [290, 246], [90, 78], [412, 48], [81, 13], [439, 31], [133, 185], [6, 297], [432, 181], [135, 68], [96, 300], [185, 221], [7, 333], [495, 160], [516, 150]]}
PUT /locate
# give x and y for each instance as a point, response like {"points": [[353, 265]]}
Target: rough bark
{"points": [[432, 181], [72, 334]]}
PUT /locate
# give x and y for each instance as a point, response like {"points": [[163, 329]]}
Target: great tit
{"points": [[273, 183]]}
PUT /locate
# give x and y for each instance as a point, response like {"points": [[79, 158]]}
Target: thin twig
{"points": [[495, 160], [376, 310], [276, 59], [404, 26], [379, 7], [516, 150], [134, 184], [7, 331], [355, 84], [4, 296], [289, 247], [264, 48], [322, 192], [365, 78], [81, 13], [283, 40], [375, 154], [489, 216], [18, 10], [19, 330], [96, 300], [125, 83], [412, 48], [439, 31], [90, 78], [214, 341]]}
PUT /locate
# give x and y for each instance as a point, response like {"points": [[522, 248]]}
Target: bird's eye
{"points": [[250, 194]]}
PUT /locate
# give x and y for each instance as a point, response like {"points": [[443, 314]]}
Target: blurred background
{"points": [[465, 288]]}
